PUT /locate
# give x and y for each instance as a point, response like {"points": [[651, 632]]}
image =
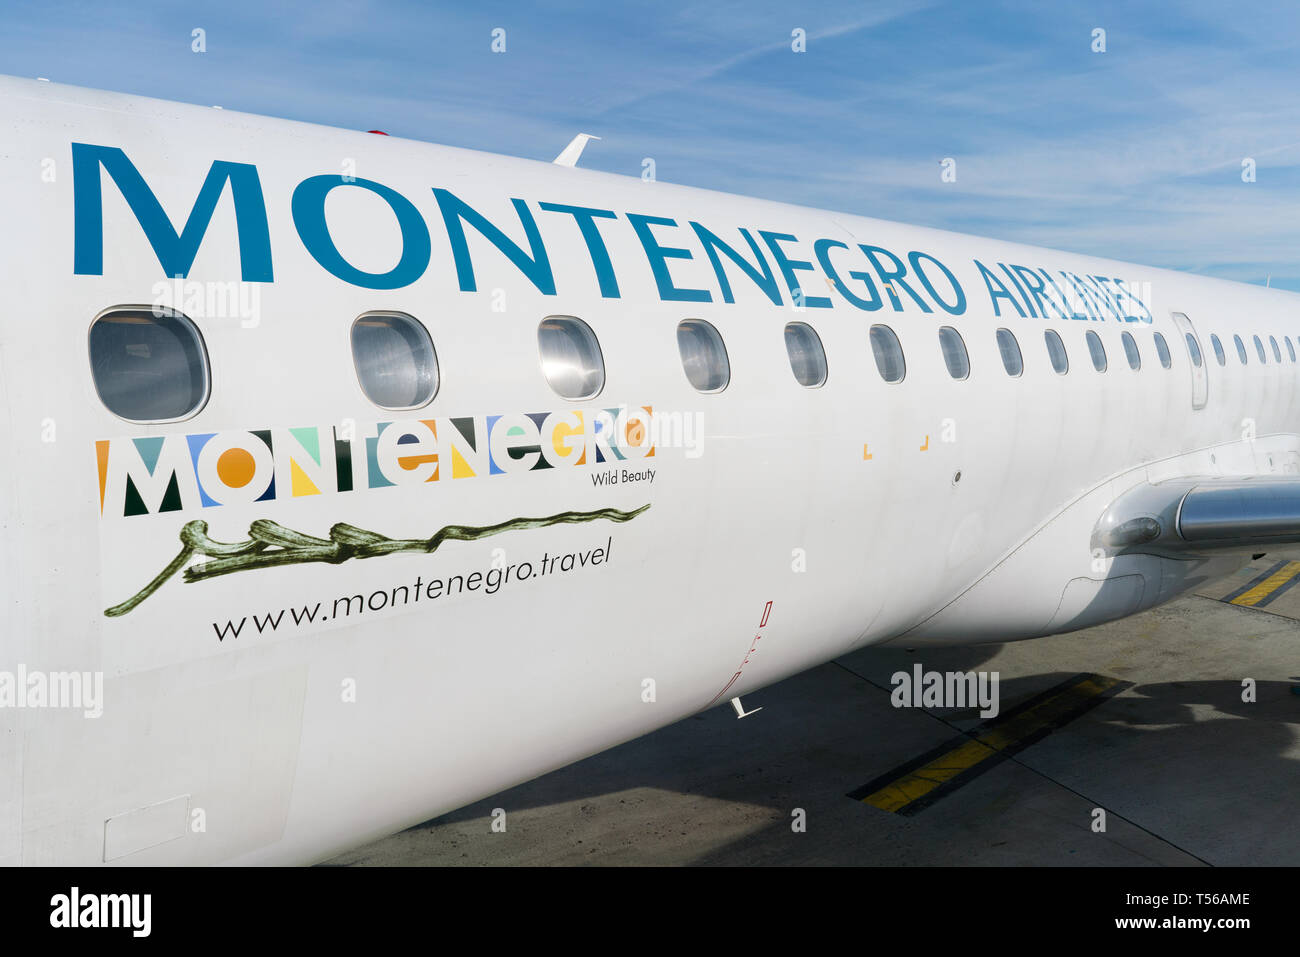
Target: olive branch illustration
{"points": [[270, 544]]}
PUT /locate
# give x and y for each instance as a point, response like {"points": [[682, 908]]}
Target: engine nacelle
{"points": [[1063, 577]]}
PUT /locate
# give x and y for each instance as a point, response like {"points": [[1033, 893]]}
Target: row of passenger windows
{"points": [[152, 365], [889, 353]]}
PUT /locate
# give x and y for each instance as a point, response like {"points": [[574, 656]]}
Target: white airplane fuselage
{"points": [[786, 525]]}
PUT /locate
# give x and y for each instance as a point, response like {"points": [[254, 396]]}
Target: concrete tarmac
{"points": [[1183, 768]]}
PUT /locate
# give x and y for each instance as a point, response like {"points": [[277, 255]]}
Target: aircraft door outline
{"points": [[1200, 374]]}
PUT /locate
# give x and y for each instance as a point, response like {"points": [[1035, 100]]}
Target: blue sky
{"points": [[1134, 153]]}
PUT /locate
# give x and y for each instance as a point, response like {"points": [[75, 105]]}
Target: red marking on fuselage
{"points": [[753, 646]]}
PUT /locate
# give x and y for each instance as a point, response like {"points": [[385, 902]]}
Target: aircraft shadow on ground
{"points": [[1189, 762]]}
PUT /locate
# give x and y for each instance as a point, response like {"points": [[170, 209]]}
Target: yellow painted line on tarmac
{"points": [[924, 780], [1264, 592]]}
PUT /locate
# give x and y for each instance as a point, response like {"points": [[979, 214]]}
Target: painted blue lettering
{"points": [[586, 217], [761, 274], [658, 257], [456, 213], [175, 251], [788, 267], [822, 250], [890, 276]]}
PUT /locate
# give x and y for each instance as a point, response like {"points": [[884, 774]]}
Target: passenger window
{"points": [[1259, 347], [571, 359], [954, 352], [1012, 361], [1277, 353], [807, 357], [1097, 351], [704, 357], [1241, 349], [1218, 350], [1290, 349], [1162, 350], [149, 365], [394, 359], [888, 353], [1131, 351], [1193, 349], [1056, 351]]}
